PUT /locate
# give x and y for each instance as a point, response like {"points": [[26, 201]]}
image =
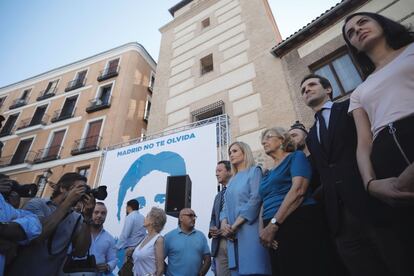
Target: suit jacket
{"points": [[338, 170], [215, 221]]}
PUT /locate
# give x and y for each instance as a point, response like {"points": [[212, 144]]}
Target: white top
{"points": [[144, 258], [388, 94]]}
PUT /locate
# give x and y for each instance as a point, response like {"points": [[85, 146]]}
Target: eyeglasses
{"points": [[190, 215], [268, 136]]}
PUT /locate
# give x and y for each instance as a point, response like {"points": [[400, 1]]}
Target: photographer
{"points": [[15, 225], [61, 227]]}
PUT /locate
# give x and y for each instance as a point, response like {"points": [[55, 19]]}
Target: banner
{"points": [[140, 172]]}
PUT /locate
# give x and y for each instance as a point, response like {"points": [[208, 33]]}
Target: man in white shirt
{"points": [[133, 231], [102, 244]]}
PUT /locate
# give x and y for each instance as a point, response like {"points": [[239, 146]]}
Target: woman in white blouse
{"points": [[148, 256]]}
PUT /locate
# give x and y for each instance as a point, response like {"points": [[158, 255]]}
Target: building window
{"points": [[25, 94], [206, 64], [151, 82], [67, 111], [147, 109], [41, 182], [84, 171], [205, 23], [91, 141], [39, 116], [342, 74], [2, 100], [9, 125], [21, 154], [208, 111], [104, 95], [51, 87], [78, 82]]}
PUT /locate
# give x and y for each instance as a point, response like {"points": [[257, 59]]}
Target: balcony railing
{"points": [[108, 73], [88, 144], [61, 114], [75, 84], [98, 104], [46, 94], [48, 154], [29, 122], [5, 132], [15, 159], [18, 103]]}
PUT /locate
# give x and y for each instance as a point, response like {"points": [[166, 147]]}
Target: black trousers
{"points": [[303, 245], [388, 161], [360, 245]]}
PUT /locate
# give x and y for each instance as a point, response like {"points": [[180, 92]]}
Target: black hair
{"points": [[226, 164], [66, 182], [322, 80], [133, 203], [299, 125], [396, 35]]}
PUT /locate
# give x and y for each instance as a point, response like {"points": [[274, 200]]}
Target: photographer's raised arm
{"points": [[82, 239], [64, 203]]}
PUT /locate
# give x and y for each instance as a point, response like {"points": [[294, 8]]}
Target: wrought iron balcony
{"points": [[46, 94], [85, 145], [75, 84], [18, 103], [6, 131], [108, 73], [17, 159], [48, 154], [62, 114], [98, 104], [29, 122]]}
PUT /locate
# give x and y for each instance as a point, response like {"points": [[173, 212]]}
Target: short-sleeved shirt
{"points": [[388, 94], [36, 259], [185, 252], [277, 182], [27, 221]]}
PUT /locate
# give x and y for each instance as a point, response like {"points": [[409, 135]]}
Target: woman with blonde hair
{"points": [[239, 218], [290, 215], [148, 256]]}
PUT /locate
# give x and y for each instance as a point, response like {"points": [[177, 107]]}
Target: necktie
{"points": [[323, 130], [223, 192]]}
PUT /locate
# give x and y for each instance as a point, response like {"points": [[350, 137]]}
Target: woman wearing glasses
{"points": [[290, 215], [239, 218]]}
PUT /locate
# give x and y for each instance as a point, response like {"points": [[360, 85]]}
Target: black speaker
{"points": [[178, 195]]}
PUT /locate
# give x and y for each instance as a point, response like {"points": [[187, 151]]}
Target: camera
{"points": [[23, 190], [98, 193]]}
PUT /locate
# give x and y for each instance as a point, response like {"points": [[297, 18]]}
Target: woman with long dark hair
{"points": [[383, 109]]}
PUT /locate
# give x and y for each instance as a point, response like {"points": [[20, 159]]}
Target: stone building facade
{"points": [[63, 119], [319, 48], [215, 59]]}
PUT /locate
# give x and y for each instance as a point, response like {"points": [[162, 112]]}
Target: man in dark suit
{"points": [[218, 243], [351, 213]]}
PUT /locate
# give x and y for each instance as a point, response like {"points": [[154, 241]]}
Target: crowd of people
{"points": [[337, 200]]}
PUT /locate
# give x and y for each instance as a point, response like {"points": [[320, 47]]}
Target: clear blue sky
{"points": [[39, 35]]}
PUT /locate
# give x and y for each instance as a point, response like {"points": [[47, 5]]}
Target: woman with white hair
{"points": [[148, 256]]}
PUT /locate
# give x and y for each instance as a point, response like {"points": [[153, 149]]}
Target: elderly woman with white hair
{"points": [[148, 256], [290, 214]]}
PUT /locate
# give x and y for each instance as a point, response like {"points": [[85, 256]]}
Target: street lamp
{"points": [[43, 181]]}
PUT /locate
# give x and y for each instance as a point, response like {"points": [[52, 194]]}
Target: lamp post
{"points": [[43, 181]]}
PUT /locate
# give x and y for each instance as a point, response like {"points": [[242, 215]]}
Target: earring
{"points": [[281, 147]]}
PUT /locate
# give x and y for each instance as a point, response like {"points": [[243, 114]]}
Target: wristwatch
{"points": [[274, 222]]}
